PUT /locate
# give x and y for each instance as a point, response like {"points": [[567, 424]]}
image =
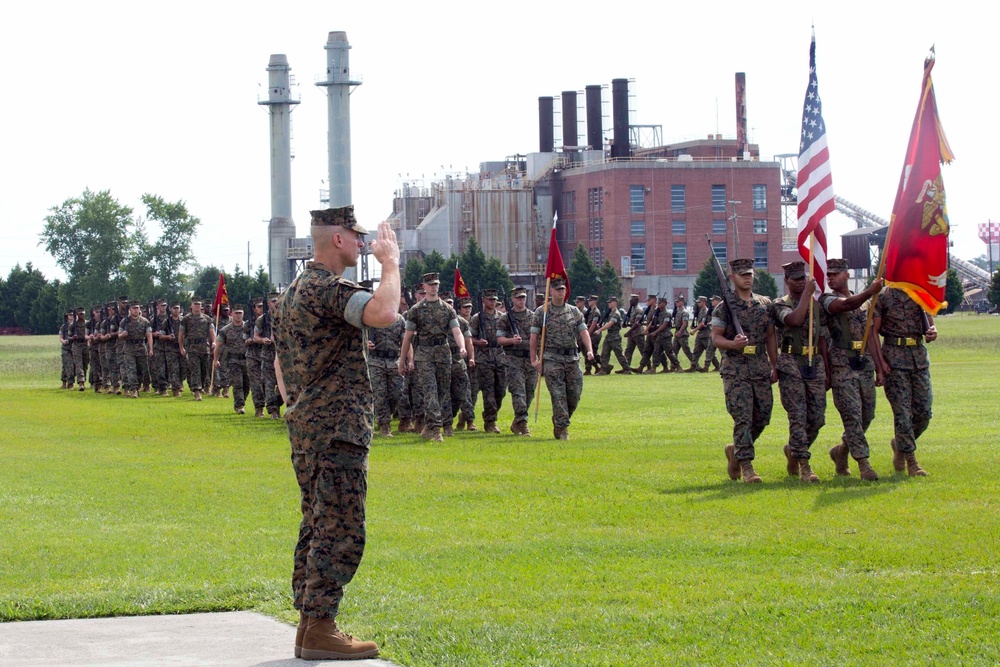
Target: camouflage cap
{"points": [[716, 297], [444, 296], [134, 304], [273, 296], [110, 304], [195, 300], [431, 279], [489, 294], [633, 296], [258, 301], [579, 298], [338, 217], [519, 291], [650, 297], [81, 310], [175, 304], [558, 282], [794, 270], [465, 302], [702, 298], [663, 299], [837, 265], [161, 302], [612, 298], [539, 297], [594, 297], [123, 298], [741, 267], [680, 297], [238, 308]]}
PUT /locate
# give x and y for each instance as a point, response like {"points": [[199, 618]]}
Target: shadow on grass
{"points": [[829, 492]]}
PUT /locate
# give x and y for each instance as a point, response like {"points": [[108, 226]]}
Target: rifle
{"points": [[407, 295], [508, 306], [728, 297], [604, 317]]}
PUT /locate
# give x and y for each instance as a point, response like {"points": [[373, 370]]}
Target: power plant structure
{"points": [[287, 253], [630, 199]]}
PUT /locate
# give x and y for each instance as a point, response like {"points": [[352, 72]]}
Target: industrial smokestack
{"points": [[546, 132], [338, 85], [281, 228], [741, 115], [595, 129], [619, 116], [571, 136]]}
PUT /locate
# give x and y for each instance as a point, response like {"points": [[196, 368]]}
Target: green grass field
{"points": [[626, 544]]}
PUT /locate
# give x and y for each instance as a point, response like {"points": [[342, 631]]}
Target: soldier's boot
{"points": [[197, 395], [385, 430], [97, 389], [701, 369], [145, 388], [323, 640], [257, 412], [692, 369], [587, 372], [866, 471], [515, 427], [300, 632], [82, 388], [839, 456], [649, 371], [525, 431], [425, 432], [118, 391], [435, 434], [805, 472], [898, 460], [750, 476], [274, 414], [490, 427], [225, 392], [63, 385], [791, 464], [177, 392], [471, 426], [447, 431], [404, 425], [913, 468], [732, 465], [460, 424], [666, 368], [417, 426], [560, 433], [240, 411]]}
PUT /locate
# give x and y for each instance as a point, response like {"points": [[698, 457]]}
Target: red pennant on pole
{"points": [[221, 296], [460, 290], [554, 267]]}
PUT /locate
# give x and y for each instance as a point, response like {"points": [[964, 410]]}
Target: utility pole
{"points": [[736, 231]]}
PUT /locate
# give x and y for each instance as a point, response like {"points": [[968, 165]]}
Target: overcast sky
{"points": [[162, 97]]}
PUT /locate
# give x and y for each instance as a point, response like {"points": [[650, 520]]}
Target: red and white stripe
{"points": [[815, 194]]}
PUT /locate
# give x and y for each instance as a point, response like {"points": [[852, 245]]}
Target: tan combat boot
{"points": [[240, 411], [460, 424], [323, 640], [300, 632], [839, 456], [225, 392], [258, 412], [561, 433], [732, 465], [805, 472], [913, 468], [749, 475], [525, 431], [425, 432], [404, 425], [197, 395], [866, 471], [447, 431], [791, 464], [177, 392], [491, 427], [515, 427], [435, 432], [898, 460], [274, 414], [471, 426], [385, 431]]}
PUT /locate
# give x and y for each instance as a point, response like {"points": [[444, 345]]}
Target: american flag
{"points": [[814, 180]]}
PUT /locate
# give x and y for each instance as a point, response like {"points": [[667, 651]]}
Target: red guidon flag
{"points": [[461, 291], [221, 296], [555, 268], [916, 247]]}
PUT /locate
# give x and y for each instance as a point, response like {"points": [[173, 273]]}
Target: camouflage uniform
{"points": [[220, 377], [78, 336], [109, 327], [66, 352], [96, 361], [175, 363], [561, 360], [703, 340], [256, 388], [136, 357], [908, 384], [272, 397], [196, 346], [593, 321], [383, 365], [803, 399], [432, 322], [461, 392], [853, 390], [663, 345], [651, 353], [521, 375], [490, 370], [636, 337], [746, 374], [319, 339], [613, 341], [680, 341], [232, 342], [158, 364]]}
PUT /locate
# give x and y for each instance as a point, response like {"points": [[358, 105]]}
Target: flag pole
{"points": [[812, 255], [541, 351], [217, 309]]}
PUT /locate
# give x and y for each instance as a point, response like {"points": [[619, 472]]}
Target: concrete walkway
{"points": [[232, 639]]}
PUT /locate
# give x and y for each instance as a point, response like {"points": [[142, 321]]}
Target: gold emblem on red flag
{"points": [[935, 214]]}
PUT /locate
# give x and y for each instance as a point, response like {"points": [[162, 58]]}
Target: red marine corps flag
{"points": [[916, 247], [814, 180], [460, 290], [221, 296]]}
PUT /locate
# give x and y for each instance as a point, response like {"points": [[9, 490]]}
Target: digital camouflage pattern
{"points": [[321, 347], [432, 322], [613, 340], [853, 390], [560, 359], [263, 327], [461, 392], [490, 371], [746, 377], [636, 339], [232, 342], [680, 338], [908, 384], [196, 345], [135, 357], [78, 348], [803, 399], [176, 364], [592, 319], [703, 340], [521, 375], [383, 365], [254, 376]]}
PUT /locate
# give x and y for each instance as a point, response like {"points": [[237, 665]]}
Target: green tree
{"points": [[707, 282], [434, 262], [45, 314], [610, 284], [413, 271], [472, 264], [496, 276], [172, 250], [206, 281], [91, 239], [20, 296], [582, 273], [954, 291], [763, 284], [994, 294]]}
